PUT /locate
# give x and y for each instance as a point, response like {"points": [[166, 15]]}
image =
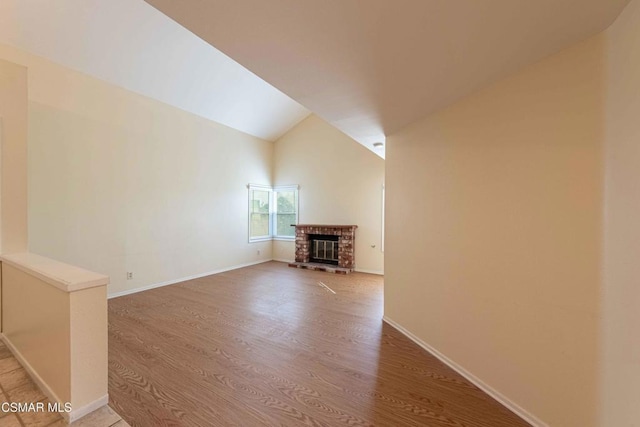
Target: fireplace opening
{"points": [[324, 249]]}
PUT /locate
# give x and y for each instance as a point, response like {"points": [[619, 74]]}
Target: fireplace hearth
{"points": [[325, 247]]}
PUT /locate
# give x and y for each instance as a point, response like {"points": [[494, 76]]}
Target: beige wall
{"points": [[119, 182], [494, 234], [36, 323], [340, 183], [13, 157], [621, 355]]}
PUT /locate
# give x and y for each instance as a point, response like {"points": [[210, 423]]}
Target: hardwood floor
{"points": [[269, 345]]}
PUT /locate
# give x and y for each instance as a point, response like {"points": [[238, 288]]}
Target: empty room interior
{"points": [[320, 213]]}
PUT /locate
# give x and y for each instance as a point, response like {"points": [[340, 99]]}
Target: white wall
{"points": [[621, 309], [340, 183], [119, 182], [494, 234]]}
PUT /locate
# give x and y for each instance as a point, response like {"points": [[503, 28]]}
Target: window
{"points": [[286, 212], [273, 212], [259, 213]]}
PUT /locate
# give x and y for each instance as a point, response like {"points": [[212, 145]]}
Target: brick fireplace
{"points": [[325, 247]]}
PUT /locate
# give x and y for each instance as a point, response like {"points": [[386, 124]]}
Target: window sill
{"points": [[266, 239], [260, 239]]}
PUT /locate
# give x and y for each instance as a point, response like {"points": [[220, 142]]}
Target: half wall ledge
{"points": [[54, 321]]}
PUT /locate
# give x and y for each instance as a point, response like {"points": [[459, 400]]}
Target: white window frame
{"points": [[273, 210], [252, 187], [274, 226]]}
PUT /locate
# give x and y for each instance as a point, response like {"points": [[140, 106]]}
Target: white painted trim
{"points": [[32, 373], [378, 272], [76, 414], [512, 406], [183, 279], [282, 260]]}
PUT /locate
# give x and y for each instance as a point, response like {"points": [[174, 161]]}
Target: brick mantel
{"points": [[346, 246]]}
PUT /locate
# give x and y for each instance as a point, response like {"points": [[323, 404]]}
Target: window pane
{"points": [[286, 213], [259, 213]]}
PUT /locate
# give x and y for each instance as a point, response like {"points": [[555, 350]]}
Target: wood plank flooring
{"points": [[269, 345]]}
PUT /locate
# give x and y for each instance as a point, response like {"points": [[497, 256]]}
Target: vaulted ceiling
{"points": [[370, 67], [130, 44]]}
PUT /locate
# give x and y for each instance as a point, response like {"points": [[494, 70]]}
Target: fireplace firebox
{"points": [[325, 247]]}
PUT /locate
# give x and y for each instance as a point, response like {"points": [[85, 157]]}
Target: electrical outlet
{"points": [[258, 251], [129, 275]]}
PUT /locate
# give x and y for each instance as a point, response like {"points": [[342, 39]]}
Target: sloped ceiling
{"points": [[370, 67], [130, 44]]}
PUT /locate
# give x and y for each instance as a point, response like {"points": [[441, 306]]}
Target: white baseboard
{"points": [[282, 260], [183, 279], [513, 407], [76, 414]]}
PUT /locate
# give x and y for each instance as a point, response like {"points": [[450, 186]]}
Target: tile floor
{"points": [[17, 386]]}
